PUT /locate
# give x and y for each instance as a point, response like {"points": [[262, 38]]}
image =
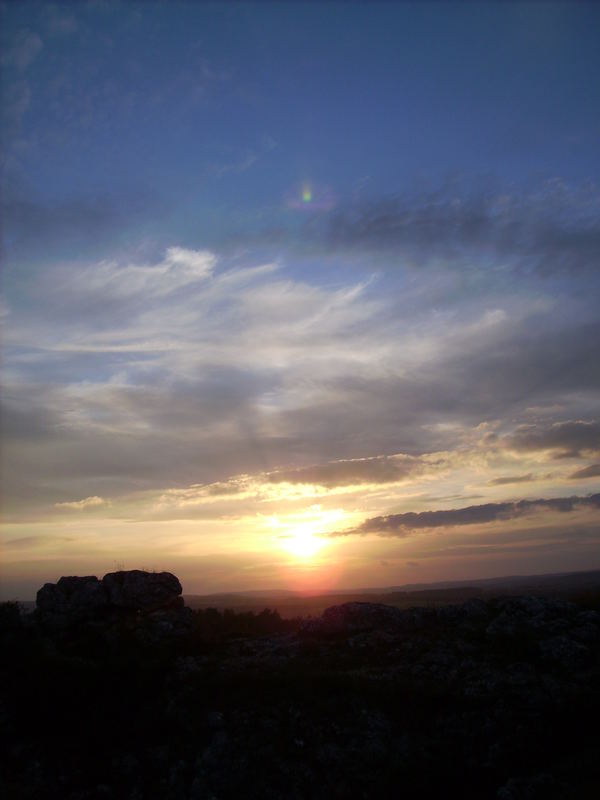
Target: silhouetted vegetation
{"points": [[493, 699], [209, 623]]}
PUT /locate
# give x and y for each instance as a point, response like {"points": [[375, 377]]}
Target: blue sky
{"points": [[259, 239], [194, 120]]}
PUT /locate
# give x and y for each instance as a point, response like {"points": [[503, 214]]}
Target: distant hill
{"points": [[556, 580], [296, 604]]}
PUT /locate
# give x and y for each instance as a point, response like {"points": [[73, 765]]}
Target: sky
{"points": [[299, 295]]}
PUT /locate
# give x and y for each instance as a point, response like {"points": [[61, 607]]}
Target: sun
{"points": [[302, 541], [304, 533]]}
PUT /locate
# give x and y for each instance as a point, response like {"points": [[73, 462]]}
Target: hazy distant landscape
{"points": [[295, 604]]}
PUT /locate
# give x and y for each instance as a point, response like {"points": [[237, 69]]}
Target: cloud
{"points": [[33, 225], [567, 439], [227, 365], [37, 541], [378, 469], [525, 544], [593, 471], [81, 505], [243, 163], [110, 364], [239, 160], [511, 479], [402, 525], [554, 229]]}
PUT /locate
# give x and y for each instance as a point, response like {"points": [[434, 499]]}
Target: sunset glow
{"points": [[300, 399], [303, 542], [276, 316]]}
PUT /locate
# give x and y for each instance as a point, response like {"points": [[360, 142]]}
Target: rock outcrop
{"points": [[74, 600], [142, 591]]}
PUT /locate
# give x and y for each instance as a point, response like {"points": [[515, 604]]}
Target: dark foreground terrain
{"points": [[113, 689]]}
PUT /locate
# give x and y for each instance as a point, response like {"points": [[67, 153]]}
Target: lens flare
{"points": [[310, 196]]}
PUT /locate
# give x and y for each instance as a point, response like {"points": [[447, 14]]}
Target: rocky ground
{"points": [[123, 693]]}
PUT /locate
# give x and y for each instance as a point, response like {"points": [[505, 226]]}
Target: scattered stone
{"points": [[569, 654], [537, 787], [351, 705]]}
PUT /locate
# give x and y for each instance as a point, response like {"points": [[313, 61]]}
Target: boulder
{"points": [[142, 591], [73, 597]]}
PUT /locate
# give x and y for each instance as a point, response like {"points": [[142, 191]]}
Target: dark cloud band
{"points": [[380, 469], [404, 524], [553, 230], [569, 439], [593, 471]]}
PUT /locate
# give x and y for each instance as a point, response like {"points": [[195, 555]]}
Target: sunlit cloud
{"points": [[504, 480], [81, 505]]}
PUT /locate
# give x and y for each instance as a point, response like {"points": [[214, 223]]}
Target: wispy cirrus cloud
{"points": [[109, 353], [26, 542], [179, 268], [225, 366]]}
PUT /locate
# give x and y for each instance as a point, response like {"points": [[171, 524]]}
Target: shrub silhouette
{"points": [[241, 706]]}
